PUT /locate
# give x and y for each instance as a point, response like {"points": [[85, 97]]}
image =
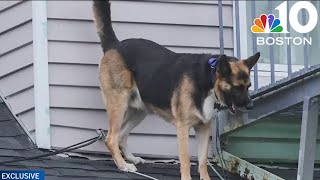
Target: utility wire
{"points": [[67, 149], [71, 148]]}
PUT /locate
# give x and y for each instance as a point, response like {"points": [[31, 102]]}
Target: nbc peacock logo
{"points": [[287, 16], [267, 24]]}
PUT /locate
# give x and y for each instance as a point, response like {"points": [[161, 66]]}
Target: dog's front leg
{"points": [[183, 142], [202, 137]]}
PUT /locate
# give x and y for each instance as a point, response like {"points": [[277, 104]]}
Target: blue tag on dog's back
{"points": [[22, 175], [212, 62]]}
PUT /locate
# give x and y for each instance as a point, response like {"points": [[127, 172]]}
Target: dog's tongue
{"points": [[232, 109]]}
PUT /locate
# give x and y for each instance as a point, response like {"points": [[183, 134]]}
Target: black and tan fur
{"points": [[139, 77]]}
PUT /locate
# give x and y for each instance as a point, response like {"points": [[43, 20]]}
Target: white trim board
{"points": [[41, 82]]}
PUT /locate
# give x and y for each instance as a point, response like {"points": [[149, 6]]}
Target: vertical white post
{"points": [[235, 29], [243, 29], [41, 82], [308, 140]]}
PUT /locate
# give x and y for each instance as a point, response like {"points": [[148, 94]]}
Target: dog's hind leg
{"points": [[132, 119], [116, 86], [116, 108]]}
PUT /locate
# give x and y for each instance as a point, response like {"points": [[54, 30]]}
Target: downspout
{"points": [[41, 76]]}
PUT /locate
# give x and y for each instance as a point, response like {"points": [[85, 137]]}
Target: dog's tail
{"points": [[102, 16]]}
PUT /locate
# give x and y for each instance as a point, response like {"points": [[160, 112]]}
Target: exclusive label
{"points": [[22, 175]]}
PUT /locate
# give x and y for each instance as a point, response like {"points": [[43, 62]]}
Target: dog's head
{"points": [[233, 82]]}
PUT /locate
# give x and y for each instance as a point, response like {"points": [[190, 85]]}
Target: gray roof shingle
{"points": [[15, 143]]}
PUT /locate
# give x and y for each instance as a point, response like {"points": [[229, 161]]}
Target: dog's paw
{"points": [[128, 168], [204, 175], [137, 160]]}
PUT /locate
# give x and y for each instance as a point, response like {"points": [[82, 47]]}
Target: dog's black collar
{"points": [[217, 104], [219, 107], [212, 63]]}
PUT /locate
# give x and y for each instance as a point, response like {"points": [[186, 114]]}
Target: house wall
{"points": [[16, 59], [76, 108]]}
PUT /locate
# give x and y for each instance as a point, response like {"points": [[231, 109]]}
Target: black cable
{"points": [[217, 149], [220, 155], [67, 149]]}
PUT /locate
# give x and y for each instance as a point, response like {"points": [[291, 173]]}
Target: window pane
{"points": [[279, 52], [314, 52]]}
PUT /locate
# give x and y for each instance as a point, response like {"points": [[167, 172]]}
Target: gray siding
{"points": [[16, 58], [74, 54], [76, 108]]}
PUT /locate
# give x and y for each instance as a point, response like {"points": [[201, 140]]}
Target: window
{"points": [[281, 56]]}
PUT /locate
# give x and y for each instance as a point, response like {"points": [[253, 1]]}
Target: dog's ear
{"points": [[251, 61], [223, 67]]}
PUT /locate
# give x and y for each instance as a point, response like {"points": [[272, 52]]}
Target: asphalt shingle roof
{"points": [[15, 143]]}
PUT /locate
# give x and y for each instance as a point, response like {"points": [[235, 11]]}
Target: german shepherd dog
{"points": [[140, 77]]}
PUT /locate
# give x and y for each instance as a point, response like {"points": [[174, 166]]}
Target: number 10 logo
{"points": [[270, 24]]}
